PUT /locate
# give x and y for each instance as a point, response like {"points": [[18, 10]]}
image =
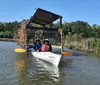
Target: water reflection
{"points": [[21, 64], [43, 73], [31, 70], [53, 70], [20, 69]]}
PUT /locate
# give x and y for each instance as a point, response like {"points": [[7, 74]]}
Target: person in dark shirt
{"points": [[36, 46]]}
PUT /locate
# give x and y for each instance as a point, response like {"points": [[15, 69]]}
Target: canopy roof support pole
{"points": [[61, 34], [27, 40]]}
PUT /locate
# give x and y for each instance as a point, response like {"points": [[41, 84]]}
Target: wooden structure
{"points": [[43, 18]]}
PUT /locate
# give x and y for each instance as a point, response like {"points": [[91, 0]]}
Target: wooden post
{"points": [[27, 41], [43, 34], [61, 34]]}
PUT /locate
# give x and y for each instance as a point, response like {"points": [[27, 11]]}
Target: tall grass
{"points": [[97, 48], [90, 45]]}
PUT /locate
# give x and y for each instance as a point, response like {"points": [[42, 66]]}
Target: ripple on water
{"points": [[43, 75], [20, 69]]}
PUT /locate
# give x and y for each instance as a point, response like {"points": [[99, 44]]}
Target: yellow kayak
{"points": [[20, 50], [67, 53]]}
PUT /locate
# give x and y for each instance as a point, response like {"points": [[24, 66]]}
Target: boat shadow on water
{"points": [[31, 69], [52, 69]]}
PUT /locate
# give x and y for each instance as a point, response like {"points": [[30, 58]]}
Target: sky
{"points": [[70, 10]]}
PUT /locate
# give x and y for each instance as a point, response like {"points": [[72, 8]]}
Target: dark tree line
{"points": [[7, 29], [81, 28]]}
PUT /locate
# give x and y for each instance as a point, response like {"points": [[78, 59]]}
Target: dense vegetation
{"points": [[81, 36], [7, 29], [81, 28]]}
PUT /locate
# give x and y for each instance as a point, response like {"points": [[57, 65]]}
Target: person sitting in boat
{"points": [[36, 46], [46, 47]]}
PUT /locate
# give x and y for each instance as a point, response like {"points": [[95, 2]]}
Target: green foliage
{"points": [[6, 34], [8, 29], [66, 28], [97, 48], [81, 28], [2, 28], [78, 27], [96, 31]]}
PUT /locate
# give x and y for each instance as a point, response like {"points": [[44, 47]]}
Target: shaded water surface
{"points": [[20, 69]]}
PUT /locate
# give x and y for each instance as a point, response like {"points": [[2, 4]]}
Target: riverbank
{"points": [[84, 45], [87, 45], [8, 39]]}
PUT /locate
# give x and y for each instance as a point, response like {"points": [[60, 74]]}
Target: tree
{"points": [[2, 27], [7, 29]]}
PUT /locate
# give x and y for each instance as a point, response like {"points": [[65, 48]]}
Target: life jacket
{"points": [[45, 48]]}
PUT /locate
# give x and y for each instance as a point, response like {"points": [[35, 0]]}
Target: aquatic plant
{"points": [[97, 48]]}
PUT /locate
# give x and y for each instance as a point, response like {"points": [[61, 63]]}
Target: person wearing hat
{"points": [[36, 46], [46, 47]]}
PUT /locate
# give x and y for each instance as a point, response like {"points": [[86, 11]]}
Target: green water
{"points": [[20, 69]]}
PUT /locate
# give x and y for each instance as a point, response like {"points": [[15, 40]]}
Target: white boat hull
{"points": [[48, 57]]}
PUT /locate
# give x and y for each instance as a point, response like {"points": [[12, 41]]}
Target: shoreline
{"points": [[55, 46], [8, 39]]}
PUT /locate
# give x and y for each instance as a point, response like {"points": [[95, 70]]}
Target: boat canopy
{"points": [[43, 20], [43, 17]]}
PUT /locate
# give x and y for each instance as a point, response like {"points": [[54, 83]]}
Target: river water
{"points": [[20, 69]]}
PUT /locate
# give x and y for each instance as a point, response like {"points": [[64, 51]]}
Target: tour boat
{"points": [[45, 19]]}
